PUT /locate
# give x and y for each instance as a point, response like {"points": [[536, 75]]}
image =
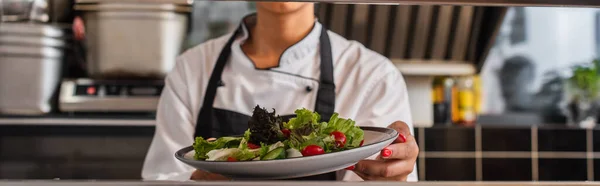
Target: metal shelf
{"points": [[77, 122]]}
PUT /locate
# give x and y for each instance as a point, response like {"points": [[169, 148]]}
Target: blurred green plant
{"points": [[586, 80]]}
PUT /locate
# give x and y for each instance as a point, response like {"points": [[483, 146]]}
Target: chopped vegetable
{"points": [[286, 132], [277, 153], [312, 150], [202, 147], [220, 154], [264, 127], [293, 153], [253, 146], [340, 138], [303, 117]]}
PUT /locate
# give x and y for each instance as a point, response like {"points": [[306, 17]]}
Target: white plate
{"points": [[375, 140]]}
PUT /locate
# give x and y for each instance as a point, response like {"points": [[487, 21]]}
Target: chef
{"points": [[281, 58]]}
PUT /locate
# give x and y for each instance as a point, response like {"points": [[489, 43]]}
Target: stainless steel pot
{"points": [[30, 67], [139, 40], [14, 10], [32, 29], [29, 77], [7, 39]]}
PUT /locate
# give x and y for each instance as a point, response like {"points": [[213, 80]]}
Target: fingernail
{"points": [[386, 153], [351, 167], [401, 138]]}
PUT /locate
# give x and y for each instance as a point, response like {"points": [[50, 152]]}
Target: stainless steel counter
{"points": [[280, 183]]}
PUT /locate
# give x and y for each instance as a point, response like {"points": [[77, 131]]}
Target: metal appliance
{"points": [[131, 46], [87, 95]]}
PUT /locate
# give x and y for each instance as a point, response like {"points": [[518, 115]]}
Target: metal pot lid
{"points": [[178, 2], [47, 30], [16, 40], [133, 7], [30, 51]]}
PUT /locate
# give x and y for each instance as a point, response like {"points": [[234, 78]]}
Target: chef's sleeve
{"points": [[174, 130], [385, 102]]}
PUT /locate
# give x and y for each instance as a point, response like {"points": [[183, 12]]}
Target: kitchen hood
{"points": [[422, 41]]}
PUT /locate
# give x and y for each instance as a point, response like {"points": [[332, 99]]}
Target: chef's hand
{"points": [[203, 175], [394, 162]]}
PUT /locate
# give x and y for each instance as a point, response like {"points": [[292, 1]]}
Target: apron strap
{"points": [[326, 95], [211, 90]]}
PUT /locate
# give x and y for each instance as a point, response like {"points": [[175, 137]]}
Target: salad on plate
{"points": [[269, 138]]}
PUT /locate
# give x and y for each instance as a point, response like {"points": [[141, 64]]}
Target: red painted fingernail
{"points": [[350, 168], [386, 152], [401, 138]]}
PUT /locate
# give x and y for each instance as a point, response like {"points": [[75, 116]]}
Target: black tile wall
{"points": [[416, 134], [449, 139], [498, 139], [563, 169], [500, 169], [596, 169], [450, 169], [562, 140], [596, 140]]}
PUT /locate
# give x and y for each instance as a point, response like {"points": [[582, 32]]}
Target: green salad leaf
{"points": [[202, 146], [264, 149], [354, 135], [244, 153], [303, 117]]}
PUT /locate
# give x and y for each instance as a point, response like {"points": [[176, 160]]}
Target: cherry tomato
{"points": [[340, 138], [361, 143], [312, 150], [253, 146], [231, 159], [286, 132]]}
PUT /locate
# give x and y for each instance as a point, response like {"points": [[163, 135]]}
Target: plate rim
{"points": [[180, 154]]}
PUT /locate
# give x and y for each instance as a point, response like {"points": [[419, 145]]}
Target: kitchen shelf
{"points": [[433, 68], [68, 119], [76, 122]]}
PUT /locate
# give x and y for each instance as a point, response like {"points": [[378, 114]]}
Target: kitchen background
{"points": [[83, 109]]}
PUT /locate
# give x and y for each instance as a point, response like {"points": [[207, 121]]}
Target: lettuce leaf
{"points": [[245, 154], [220, 154], [303, 117], [354, 135], [264, 149], [202, 146]]}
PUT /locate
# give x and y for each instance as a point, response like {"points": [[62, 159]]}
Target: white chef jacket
{"points": [[369, 89]]}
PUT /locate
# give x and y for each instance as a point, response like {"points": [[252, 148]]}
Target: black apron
{"points": [[214, 123]]}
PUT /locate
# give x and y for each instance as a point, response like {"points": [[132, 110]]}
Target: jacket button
{"points": [[308, 89]]}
